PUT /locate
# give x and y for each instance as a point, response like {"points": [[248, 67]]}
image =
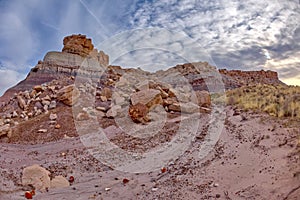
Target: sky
{"points": [[153, 35]]}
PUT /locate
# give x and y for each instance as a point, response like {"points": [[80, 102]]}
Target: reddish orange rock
{"points": [[28, 195], [125, 180], [71, 179], [78, 44]]}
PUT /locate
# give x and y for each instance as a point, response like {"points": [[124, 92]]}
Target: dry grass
{"points": [[279, 101]]}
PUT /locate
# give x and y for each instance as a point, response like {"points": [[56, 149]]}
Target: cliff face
{"points": [[237, 78]]}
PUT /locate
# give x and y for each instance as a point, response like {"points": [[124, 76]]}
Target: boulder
{"points": [[36, 176], [59, 182], [189, 108], [148, 97], [138, 113], [5, 130], [68, 95], [174, 107], [113, 111], [106, 92], [38, 88], [21, 102], [203, 98]]}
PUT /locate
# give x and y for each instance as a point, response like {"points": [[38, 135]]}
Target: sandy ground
{"points": [[256, 157]]}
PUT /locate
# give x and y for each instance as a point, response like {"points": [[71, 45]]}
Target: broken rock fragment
{"points": [[68, 95]]}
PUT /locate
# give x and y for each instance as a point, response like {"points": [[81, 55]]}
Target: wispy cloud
{"points": [[235, 33]]}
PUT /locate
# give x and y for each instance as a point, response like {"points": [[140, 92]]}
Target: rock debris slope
{"points": [[74, 96]]}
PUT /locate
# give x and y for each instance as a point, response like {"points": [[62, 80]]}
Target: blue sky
{"points": [[247, 35]]}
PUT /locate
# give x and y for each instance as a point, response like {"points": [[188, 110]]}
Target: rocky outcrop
{"points": [[237, 78], [82, 46], [78, 44]]}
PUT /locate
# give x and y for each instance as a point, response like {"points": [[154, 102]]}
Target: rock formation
{"points": [[80, 45]]}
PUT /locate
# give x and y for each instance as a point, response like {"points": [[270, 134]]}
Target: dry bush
{"points": [[279, 101]]}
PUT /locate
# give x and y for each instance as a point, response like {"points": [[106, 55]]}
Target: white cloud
{"points": [[239, 34], [8, 79]]}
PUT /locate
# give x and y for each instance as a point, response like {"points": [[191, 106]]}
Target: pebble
{"points": [[216, 185], [42, 131]]}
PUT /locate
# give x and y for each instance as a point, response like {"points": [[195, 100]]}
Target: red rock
{"points": [[78, 44], [125, 180], [138, 113], [71, 179], [28, 195]]}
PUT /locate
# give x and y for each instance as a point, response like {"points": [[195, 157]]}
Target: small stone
{"points": [[113, 112], [163, 170], [45, 102], [45, 108], [30, 114], [15, 114], [42, 131], [103, 98], [38, 88], [47, 98], [218, 195], [103, 109], [28, 195], [125, 180], [52, 105], [82, 116], [71, 179], [216, 185], [57, 126], [154, 189], [38, 112], [107, 189], [53, 116], [38, 105]]}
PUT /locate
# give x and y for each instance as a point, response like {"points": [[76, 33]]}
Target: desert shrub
{"points": [[280, 100]]}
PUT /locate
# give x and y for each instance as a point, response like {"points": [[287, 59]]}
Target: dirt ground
{"points": [[256, 157]]}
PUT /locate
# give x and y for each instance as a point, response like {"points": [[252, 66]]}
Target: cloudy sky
{"points": [[247, 35]]}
